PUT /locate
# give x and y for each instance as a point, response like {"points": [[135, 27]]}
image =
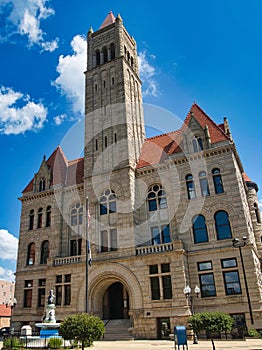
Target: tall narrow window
{"points": [[109, 240], [200, 229], [160, 282], [67, 289], [105, 141], [257, 212], [30, 254], [31, 219], [191, 192], [217, 180], [41, 292], [108, 202], [76, 215], [44, 252], [231, 276], [28, 293], [197, 144], [156, 198], [48, 216], [113, 51], [207, 282], [98, 58], [40, 218], [75, 247], [223, 228], [203, 184], [42, 184], [160, 234], [105, 54]]}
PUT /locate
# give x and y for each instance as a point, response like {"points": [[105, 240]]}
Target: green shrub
{"points": [[83, 327], [55, 343], [12, 342], [254, 333]]}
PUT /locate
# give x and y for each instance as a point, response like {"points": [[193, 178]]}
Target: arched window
{"points": [[222, 223], [98, 58], [76, 215], [257, 212], [31, 219], [48, 216], [42, 184], [113, 51], [30, 254], [44, 252], [203, 184], [40, 218], [105, 54], [156, 198], [200, 229], [218, 184], [108, 202], [197, 144], [191, 192]]}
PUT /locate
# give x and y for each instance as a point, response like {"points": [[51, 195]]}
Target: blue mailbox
{"points": [[180, 337]]}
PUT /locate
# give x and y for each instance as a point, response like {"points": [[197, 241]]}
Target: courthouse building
{"points": [[161, 213]]}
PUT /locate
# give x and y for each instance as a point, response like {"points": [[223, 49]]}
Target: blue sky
{"points": [[205, 51]]}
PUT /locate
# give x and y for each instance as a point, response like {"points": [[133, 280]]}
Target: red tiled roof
{"points": [[110, 18], [64, 172], [246, 177], [156, 149], [5, 311]]}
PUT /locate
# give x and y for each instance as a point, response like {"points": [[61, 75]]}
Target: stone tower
{"points": [[114, 123]]}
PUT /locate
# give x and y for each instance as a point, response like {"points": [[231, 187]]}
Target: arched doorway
{"points": [[115, 302]]}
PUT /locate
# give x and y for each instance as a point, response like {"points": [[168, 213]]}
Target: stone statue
{"points": [[51, 297]]}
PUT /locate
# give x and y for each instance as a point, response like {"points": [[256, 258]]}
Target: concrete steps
{"points": [[117, 330]]}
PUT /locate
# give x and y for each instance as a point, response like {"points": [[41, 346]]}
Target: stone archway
{"points": [[101, 278]]}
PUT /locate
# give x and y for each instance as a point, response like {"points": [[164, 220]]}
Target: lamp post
{"points": [[189, 296], [240, 243], [87, 251]]}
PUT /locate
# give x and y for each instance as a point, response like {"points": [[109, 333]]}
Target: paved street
{"points": [[254, 344]]}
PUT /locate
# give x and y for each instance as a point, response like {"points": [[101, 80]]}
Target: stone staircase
{"points": [[117, 330]]}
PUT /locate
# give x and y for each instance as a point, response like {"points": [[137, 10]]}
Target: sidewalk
{"points": [[249, 344]]}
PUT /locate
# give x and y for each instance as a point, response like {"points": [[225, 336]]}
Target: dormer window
{"points": [[197, 144], [42, 184]]}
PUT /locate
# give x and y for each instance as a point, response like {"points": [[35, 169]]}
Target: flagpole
{"points": [[87, 250]]}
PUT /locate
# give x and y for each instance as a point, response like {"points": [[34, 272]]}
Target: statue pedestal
{"points": [[49, 326]]}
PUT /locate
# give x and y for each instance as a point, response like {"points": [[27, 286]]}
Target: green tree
{"points": [[211, 322], [82, 327]]}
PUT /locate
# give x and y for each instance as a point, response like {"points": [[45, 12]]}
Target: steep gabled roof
{"points": [[110, 19], [64, 172], [156, 149], [217, 133]]}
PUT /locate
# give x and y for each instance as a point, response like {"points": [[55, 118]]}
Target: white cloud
{"points": [[8, 245], [6, 274], [147, 74], [71, 78], [59, 119], [24, 17], [18, 114], [260, 204]]}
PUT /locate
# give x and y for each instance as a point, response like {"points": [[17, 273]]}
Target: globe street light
{"points": [[240, 243], [189, 296]]}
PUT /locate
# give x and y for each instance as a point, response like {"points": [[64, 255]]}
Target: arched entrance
{"points": [[115, 302]]}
